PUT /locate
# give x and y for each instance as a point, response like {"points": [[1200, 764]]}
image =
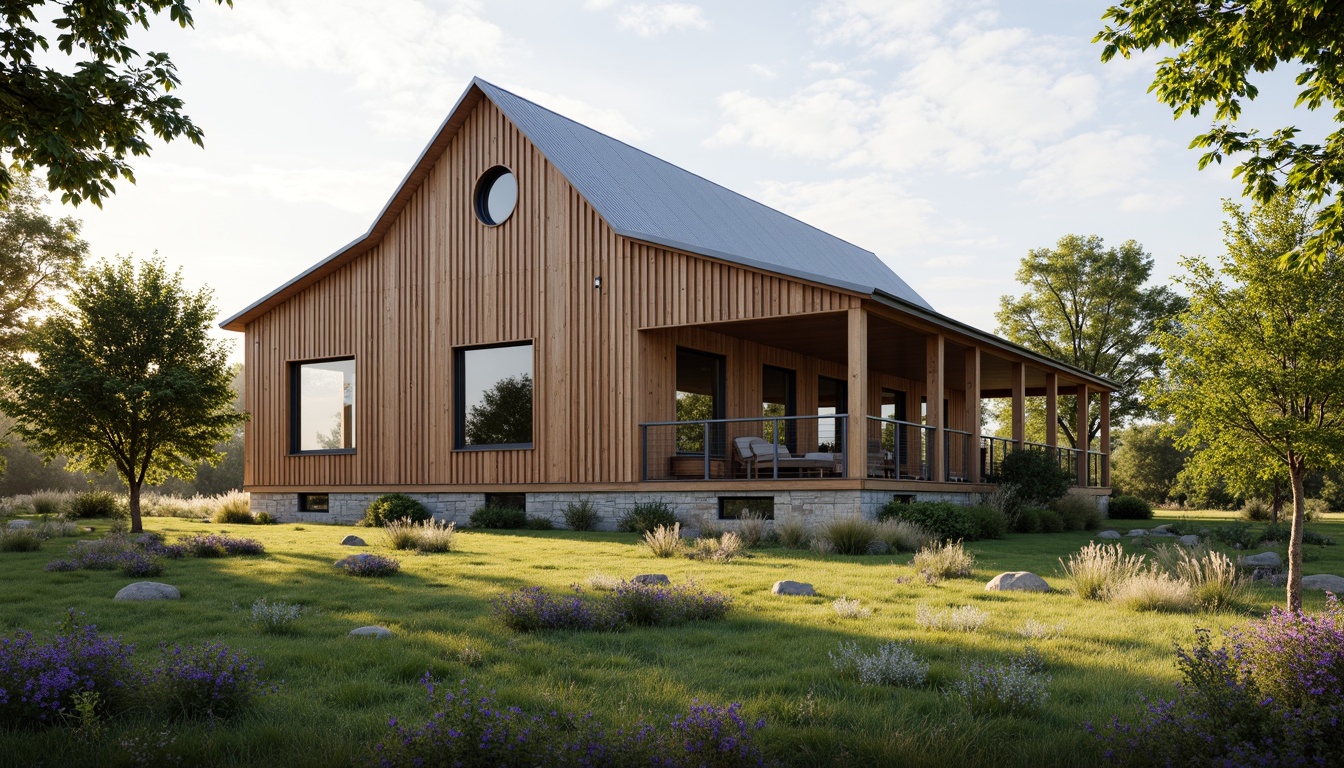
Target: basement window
{"points": [[314, 502], [734, 507]]}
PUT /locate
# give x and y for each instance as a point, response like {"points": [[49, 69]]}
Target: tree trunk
{"points": [[1295, 540], [136, 526]]}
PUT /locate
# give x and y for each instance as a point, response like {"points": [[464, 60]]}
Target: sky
{"points": [[949, 137]]}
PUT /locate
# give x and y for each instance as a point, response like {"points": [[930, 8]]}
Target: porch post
{"points": [[1080, 431], [1052, 409], [1019, 404], [973, 414], [1105, 436], [856, 425], [933, 394]]}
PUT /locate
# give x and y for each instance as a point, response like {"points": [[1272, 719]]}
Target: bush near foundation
{"points": [[1035, 475], [394, 506]]}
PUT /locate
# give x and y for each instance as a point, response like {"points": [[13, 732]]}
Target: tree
{"points": [[504, 415], [1256, 365], [127, 376], [80, 120], [1085, 305], [1218, 45], [1146, 461], [38, 257]]}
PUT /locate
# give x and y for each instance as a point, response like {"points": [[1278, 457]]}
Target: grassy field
{"points": [[336, 693]]}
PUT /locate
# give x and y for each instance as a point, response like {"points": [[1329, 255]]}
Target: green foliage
{"points": [[1028, 521], [1235, 534], [394, 506], [944, 520], [581, 516], [19, 540], [849, 535], [79, 113], [1035, 475], [989, 522], [1085, 304], [1051, 521], [1129, 508], [538, 523], [1257, 510], [234, 516], [944, 560], [1147, 462], [1214, 49], [504, 415], [499, 516], [94, 504], [646, 516], [1079, 511], [126, 376], [38, 257]]}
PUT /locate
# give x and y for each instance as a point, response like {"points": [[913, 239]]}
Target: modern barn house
{"points": [[547, 314]]}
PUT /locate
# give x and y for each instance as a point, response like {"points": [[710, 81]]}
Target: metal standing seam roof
{"points": [[645, 198]]}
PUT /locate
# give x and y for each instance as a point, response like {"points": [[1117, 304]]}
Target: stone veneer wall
{"points": [[809, 506]]}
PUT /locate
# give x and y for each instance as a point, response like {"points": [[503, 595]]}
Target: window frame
{"points": [[460, 398], [725, 500], [304, 499], [296, 414]]}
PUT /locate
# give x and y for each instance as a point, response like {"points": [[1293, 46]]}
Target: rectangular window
{"points": [[893, 407], [700, 387], [314, 502], [514, 500], [777, 399], [733, 508], [494, 396], [832, 398], [322, 399]]}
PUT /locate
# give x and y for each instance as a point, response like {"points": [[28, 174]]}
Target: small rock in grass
{"points": [[651, 578], [1162, 534], [1108, 535], [793, 588], [1325, 581], [1189, 541], [148, 590], [353, 541], [1137, 532], [1262, 560], [379, 633], [1163, 528], [16, 524], [1017, 581]]}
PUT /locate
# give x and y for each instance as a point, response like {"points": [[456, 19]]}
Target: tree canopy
{"points": [[1146, 462], [126, 376], [39, 256], [1086, 305], [1219, 46], [1256, 364], [80, 120]]}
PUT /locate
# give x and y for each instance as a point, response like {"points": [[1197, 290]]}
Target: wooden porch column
{"points": [[1051, 409], [1080, 431], [1019, 404], [933, 395], [973, 414], [1105, 437], [856, 429]]}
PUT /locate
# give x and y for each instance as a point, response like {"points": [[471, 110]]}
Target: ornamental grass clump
{"points": [[666, 605], [849, 535], [19, 540], [1213, 578], [793, 534], [846, 608], [1152, 590], [530, 609], [890, 664], [751, 529], [209, 680], [664, 541], [946, 560], [1097, 568], [368, 565], [967, 618], [40, 678], [581, 516], [1010, 688], [903, 535], [646, 516], [424, 536], [276, 617], [94, 504], [719, 550]]}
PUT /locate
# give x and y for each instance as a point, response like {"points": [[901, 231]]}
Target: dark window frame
{"points": [[841, 409], [724, 500], [790, 428], [305, 499], [506, 499], [460, 398], [295, 397], [718, 447]]}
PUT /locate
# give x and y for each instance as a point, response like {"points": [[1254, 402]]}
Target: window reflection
{"points": [[325, 401], [494, 397]]}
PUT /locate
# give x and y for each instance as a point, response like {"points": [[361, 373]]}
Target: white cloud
{"points": [[872, 212], [651, 20], [597, 5], [1091, 165], [764, 71], [824, 120], [359, 188], [884, 26]]}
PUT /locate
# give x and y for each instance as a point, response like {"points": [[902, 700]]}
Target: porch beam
{"points": [[1019, 404], [856, 429], [933, 395], [1080, 431], [972, 388], [1105, 436], [1052, 409]]}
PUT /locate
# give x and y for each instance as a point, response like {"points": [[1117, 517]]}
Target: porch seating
{"points": [[757, 453]]}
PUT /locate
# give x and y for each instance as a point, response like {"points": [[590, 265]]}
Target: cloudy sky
{"points": [[947, 136]]}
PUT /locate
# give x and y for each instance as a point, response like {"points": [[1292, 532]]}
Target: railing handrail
{"points": [[742, 420], [956, 431], [885, 420]]}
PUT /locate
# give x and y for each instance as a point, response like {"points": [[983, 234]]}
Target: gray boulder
{"points": [[1163, 528], [1108, 535], [1161, 534], [1137, 532], [1189, 541], [651, 578], [16, 524], [1324, 581], [1017, 581], [353, 541], [148, 590], [793, 588], [1262, 560], [378, 633]]}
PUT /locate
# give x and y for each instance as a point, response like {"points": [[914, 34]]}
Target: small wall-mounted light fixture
{"points": [[597, 281]]}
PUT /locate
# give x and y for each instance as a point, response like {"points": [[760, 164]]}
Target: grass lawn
{"points": [[336, 693]]}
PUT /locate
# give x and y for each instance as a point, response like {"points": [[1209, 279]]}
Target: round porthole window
{"points": [[496, 196]]}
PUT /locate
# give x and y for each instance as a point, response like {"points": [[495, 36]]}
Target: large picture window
{"points": [[699, 398], [323, 412], [494, 396]]}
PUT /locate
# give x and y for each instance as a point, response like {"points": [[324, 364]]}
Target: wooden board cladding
{"points": [[439, 280]]}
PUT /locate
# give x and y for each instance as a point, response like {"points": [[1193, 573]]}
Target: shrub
{"points": [[1029, 521], [434, 536], [277, 617], [646, 516], [1152, 590], [19, 540], [1273, 694], [221, 545], [394, 506], [948, 560], [400, 535], [539, 523], [891, 664], [95, 504], [989, 522], [721, 550], [369, 565], [1235, 534], [846, 608], [503, 516], [944, 520], [208, 680], [967, 618], [264, 518], [1079, 510], [47, 504], [651, 605], [1257, 510], [530, 610], [793, 534], [1007, 502], [602, 582], [849, 535], [53, 527], [138, 564], [903, 535], [1129, 508], [1011, 688], [234, 516], [39, 680], [1051, 521], [1316, 539], [1035, 475], [1097, 568], [1212, 577], [1314, 508], [751, 529], [663, 541], [581, 516], [1276, 532]]}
